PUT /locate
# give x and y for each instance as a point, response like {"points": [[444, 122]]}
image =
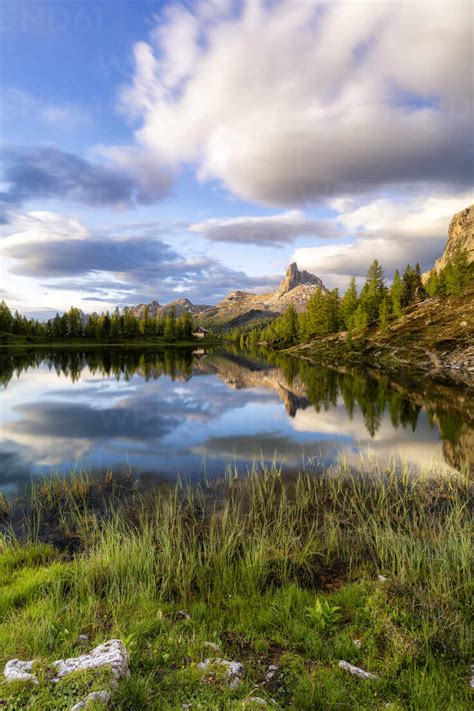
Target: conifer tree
{"points": [[169, 330], [383, 315], [360, 319], [289, 325], [115, 325], [6, 318], [396, 291], [373, 291], [349, 304]]}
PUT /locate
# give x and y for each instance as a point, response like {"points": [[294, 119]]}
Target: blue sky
{"points": [[153, 150]]}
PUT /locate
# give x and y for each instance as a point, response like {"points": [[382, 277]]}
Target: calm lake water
{"points": [[176, 412]]}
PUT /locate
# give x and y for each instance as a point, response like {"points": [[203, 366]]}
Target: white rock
{"points": [[472, 676], [102, 696], [357, 643], [271, 671], [111, 654], [234, 669], [211, 645], [382, 578], [83, 638], [16, 670], [356, 671]]}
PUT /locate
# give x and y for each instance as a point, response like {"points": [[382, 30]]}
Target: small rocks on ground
{"points": [[356, 671], [472, 676], [234, 669], [16, 670], [357, 643], [102, 696], [83, 638], [271, 671], [382, 579], [111, 654], [212, 645]]}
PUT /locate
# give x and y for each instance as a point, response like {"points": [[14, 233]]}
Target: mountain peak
{"points": [[294, 277]]}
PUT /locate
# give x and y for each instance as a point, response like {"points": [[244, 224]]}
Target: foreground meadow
{"points": [[286, 575]]}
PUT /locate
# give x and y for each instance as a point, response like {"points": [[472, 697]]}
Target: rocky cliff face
{"points": [[294, 278], [460, 236], [153, 309]]}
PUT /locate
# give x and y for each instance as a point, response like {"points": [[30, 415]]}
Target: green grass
{"points": [[258, 563]]}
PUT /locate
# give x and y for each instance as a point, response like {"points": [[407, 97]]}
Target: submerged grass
{"points": [[246, 558]]}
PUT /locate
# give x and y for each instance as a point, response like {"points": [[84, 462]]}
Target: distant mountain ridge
{"points": [[240, 307], [180, 306]]}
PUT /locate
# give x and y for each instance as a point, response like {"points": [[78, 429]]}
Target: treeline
{"points": [[327, 312], [118, 326]]}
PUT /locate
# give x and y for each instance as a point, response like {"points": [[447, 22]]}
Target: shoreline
{"points": [[284, 579], [110, 344]]}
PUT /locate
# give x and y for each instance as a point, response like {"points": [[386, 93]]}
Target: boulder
{"points": [[112, 654], [16, 670]]}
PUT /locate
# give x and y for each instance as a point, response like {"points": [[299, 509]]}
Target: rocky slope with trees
{"points": [[418, 324]]}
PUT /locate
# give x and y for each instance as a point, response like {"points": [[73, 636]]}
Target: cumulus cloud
{"points": [[127, 178], [287, 102], [394, 231], [115, 268], [46, 244], [274, 230]]}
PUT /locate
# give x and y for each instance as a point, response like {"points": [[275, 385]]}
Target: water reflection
{"points": [[175, 412]]}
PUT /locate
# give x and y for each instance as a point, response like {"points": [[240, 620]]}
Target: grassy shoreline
{"points": [[131, 344], [248, 560]]}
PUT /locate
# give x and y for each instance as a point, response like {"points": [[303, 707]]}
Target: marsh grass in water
{"points": [[247, 559]]}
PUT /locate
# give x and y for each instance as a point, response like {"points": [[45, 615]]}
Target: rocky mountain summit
{"points": [[460, 236], [180, 306], [241, 307], [294, 278]]}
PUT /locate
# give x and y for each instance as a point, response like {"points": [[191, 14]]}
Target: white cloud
{"points": [[396, 232], [289, 101], [152, 180], [105, 267], [40, 226], [270, 231]]}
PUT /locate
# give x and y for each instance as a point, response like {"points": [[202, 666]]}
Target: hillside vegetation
{"points": [[435, 336]]}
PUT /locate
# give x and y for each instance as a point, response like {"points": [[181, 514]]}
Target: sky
{"points": [[162, 149]]}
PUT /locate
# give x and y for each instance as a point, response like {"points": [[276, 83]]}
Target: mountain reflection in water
{"points": [[175, 412]]}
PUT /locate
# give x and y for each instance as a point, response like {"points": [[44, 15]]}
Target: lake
{"points": [[163, 414]]}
